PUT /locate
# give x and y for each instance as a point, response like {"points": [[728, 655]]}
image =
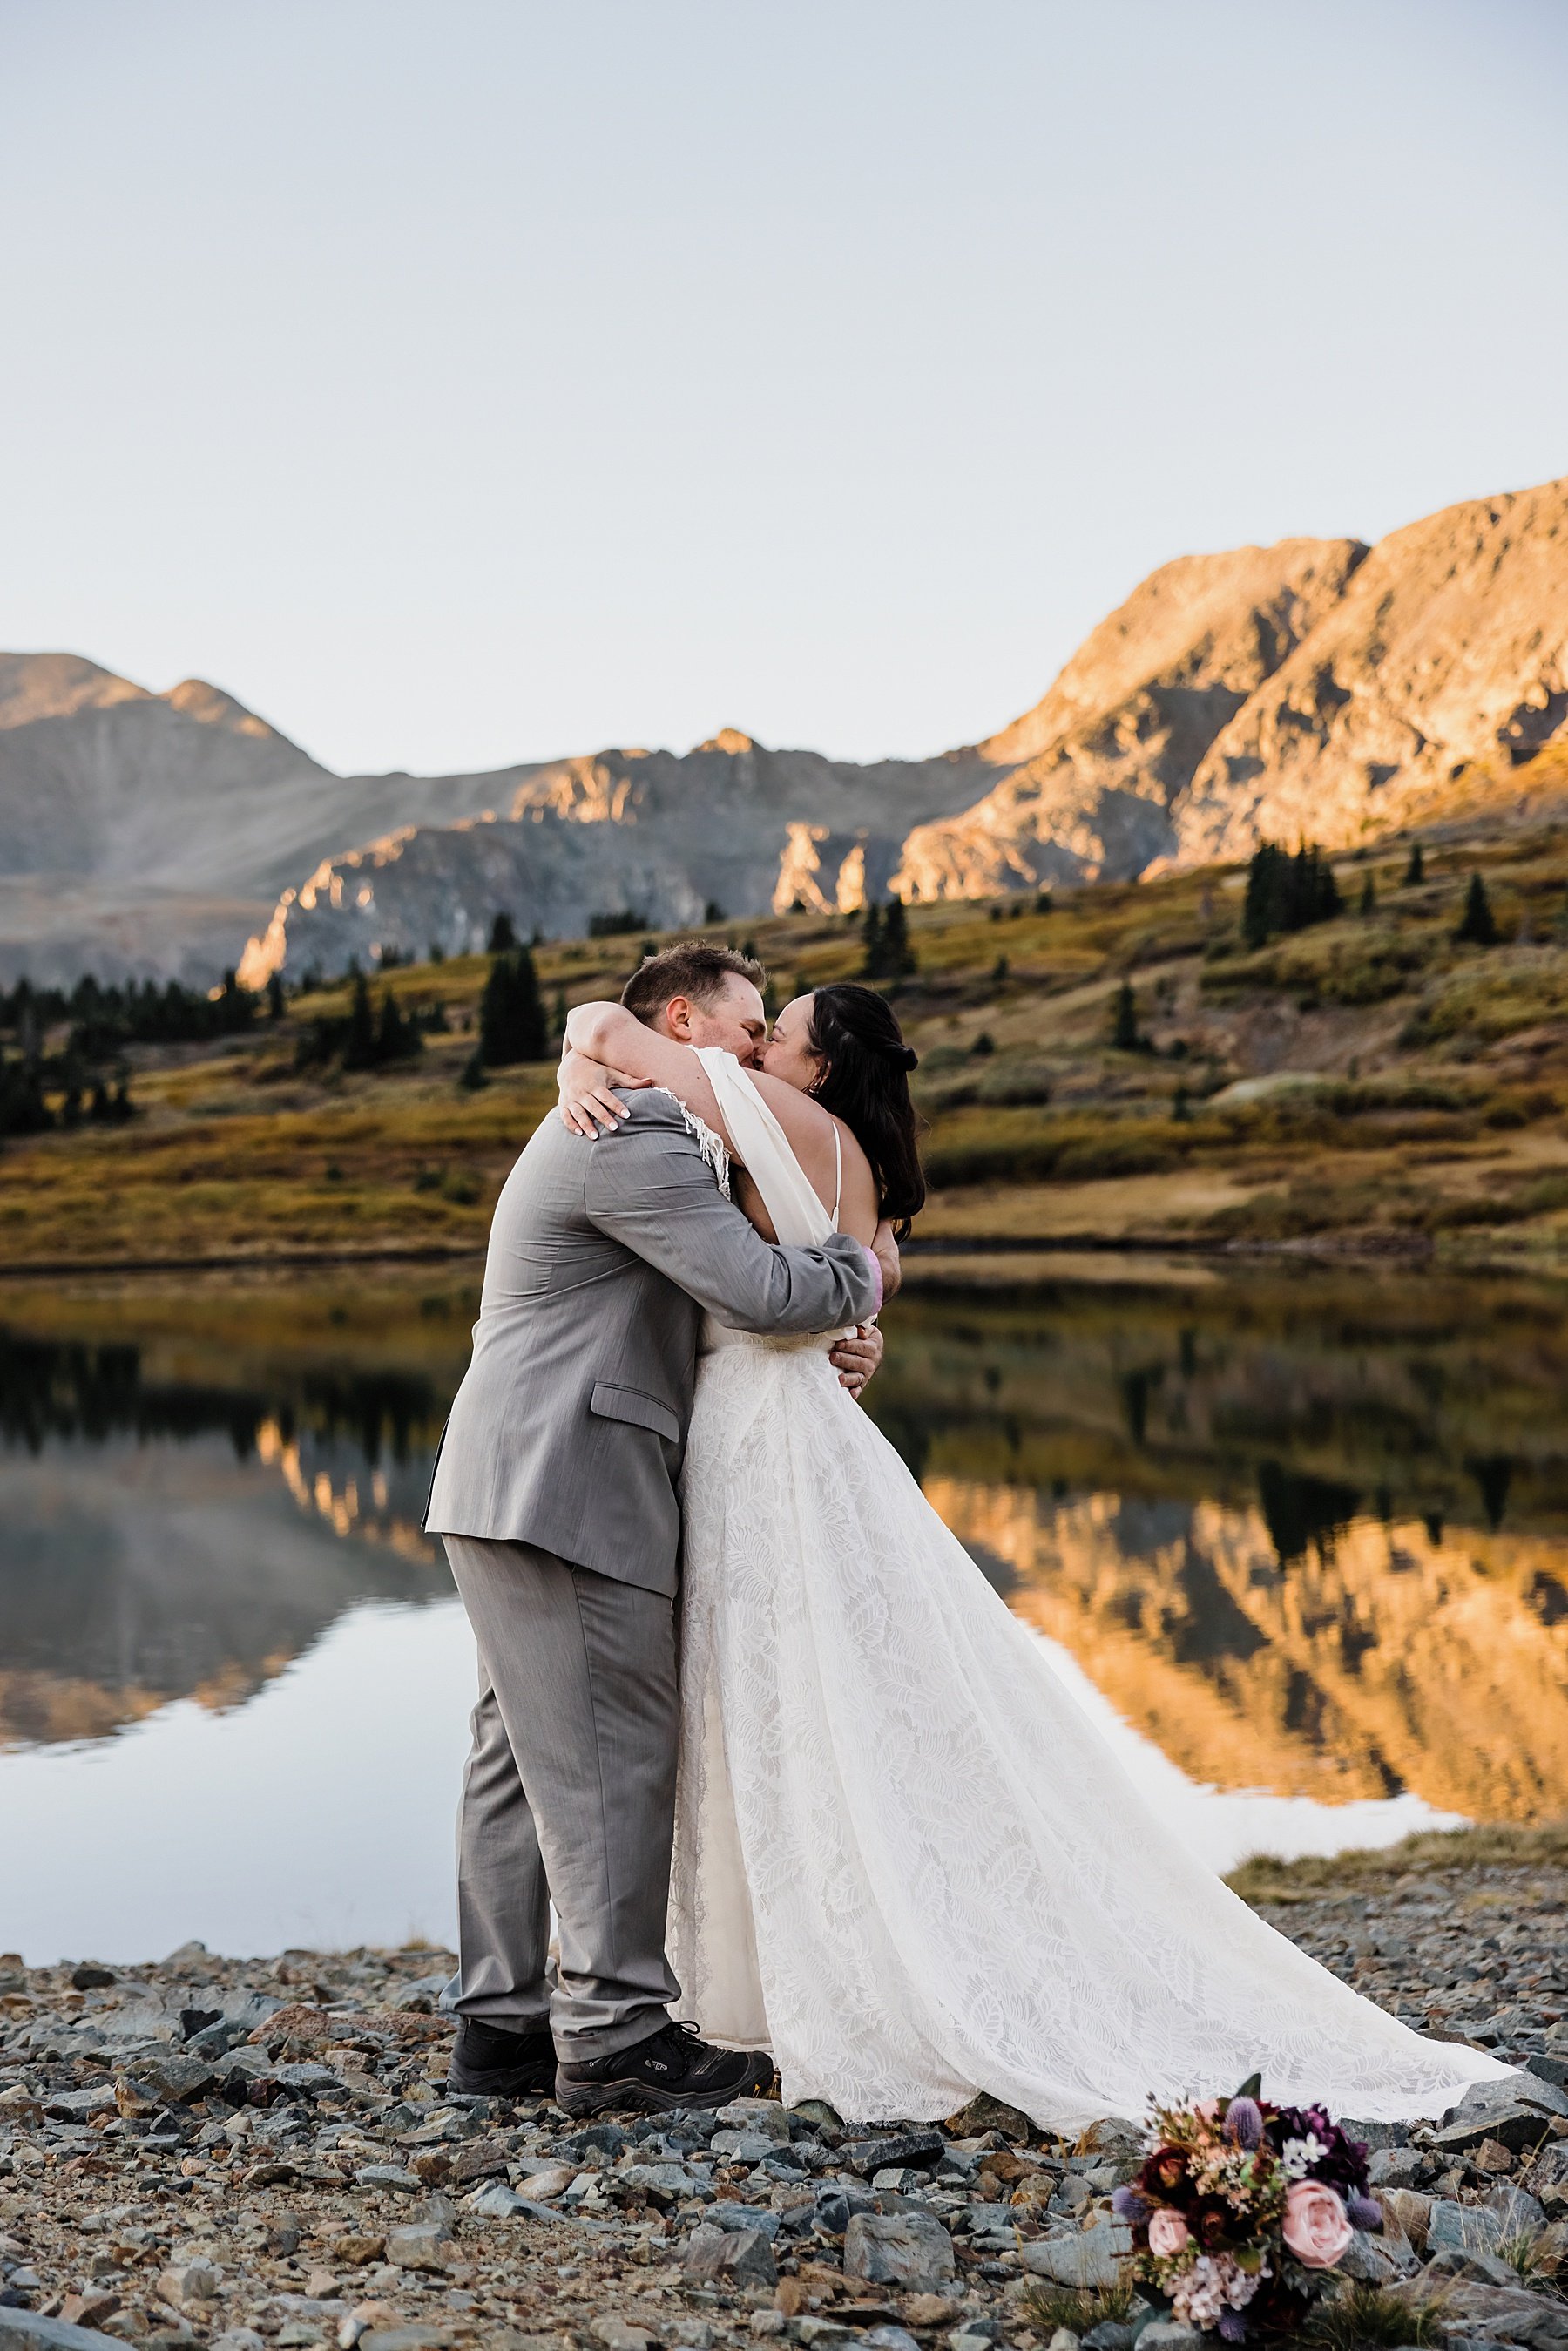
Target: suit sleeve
{"points": [[649, 1188]]}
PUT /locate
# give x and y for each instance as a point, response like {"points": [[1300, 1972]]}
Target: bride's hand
{"points": [[885, 1250], [588, 1090]]}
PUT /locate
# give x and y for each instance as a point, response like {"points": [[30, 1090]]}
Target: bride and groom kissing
{"points": [[804, 1793]]}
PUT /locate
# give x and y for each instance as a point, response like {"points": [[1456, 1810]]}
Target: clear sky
{"points": [[466, 381]]}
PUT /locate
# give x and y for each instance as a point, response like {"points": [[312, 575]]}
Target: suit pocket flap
{"points": [[630, 1403]]}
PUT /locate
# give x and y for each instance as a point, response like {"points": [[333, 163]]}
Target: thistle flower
{"points": [[1130, 2205], [1244, 2123], [1366, 2212]]}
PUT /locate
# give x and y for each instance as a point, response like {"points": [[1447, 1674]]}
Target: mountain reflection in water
{"points": [[1307, 1536]]}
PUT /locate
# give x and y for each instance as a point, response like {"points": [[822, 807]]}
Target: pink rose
{"points": [[1316, 2225], [1166, 2234]]}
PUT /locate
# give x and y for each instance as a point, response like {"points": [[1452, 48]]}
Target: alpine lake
{"points": [[1297, 1537]]}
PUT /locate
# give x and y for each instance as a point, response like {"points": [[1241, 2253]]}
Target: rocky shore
{"points": [[250, 2153]]}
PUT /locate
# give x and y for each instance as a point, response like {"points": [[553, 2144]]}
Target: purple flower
{"points": [[1130, 2205], [1232, 2327], [1366, 2212], [1244, 2123]]}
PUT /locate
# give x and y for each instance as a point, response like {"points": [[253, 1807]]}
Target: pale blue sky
{"points": [[463, 380]]}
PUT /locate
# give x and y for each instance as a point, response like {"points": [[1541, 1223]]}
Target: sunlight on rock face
{"points": [[1381, 1657]]}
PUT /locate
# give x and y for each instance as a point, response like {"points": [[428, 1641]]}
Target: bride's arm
{"points": [[609, 1033]]}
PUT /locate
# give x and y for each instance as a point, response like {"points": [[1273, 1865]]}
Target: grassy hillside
{"points": [[1369, 1083]]}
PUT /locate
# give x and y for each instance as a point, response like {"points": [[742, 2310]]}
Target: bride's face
{"points": [[789, 1052]]}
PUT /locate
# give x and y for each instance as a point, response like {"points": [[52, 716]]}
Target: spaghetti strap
{"points": [[837, 1172]]}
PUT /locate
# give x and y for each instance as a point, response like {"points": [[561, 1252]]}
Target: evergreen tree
{"points": [[360, 1036], [871, 941], [1124, 1037], [1477, 927], [23, 1110], [275, 995], [1285, 892], [1369, 896], [511, 1023], [1415, 871], [898, 957], [474, 1076], [503, 936], [398, 1038], [558, 1018]]}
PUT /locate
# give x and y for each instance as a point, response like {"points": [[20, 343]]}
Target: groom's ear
{"points": [[678, 1017]]}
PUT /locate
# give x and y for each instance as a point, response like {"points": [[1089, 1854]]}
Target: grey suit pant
{"points": [[570, 1795]]}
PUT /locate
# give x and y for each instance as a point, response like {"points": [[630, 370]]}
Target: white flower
{"points": [[1299, 2155]]}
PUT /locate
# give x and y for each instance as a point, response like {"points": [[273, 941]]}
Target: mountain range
{"points": [[1317, 688]]}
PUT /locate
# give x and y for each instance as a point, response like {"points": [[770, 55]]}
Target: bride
{"points": [[906, 1861]]}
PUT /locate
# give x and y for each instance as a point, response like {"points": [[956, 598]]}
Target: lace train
{"points": [[906, 1860]]}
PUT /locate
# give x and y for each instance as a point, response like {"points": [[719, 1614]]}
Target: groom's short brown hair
{"points": [[696, 969]]}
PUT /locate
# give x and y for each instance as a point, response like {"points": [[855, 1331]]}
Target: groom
{"points": [[555, 1492]]}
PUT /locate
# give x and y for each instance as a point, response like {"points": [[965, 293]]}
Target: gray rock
{"points": [[869, 2155], [1370, 2261], [1519, 2213], [891, 2338], [496, 2201], [387, 2175], [1168, 2334], [667, 2183], [618, 2334], [758, 2117], [1114, 2136], [419, 2244], [903, 2249], [1463, 2227], [1392, 2167], [743, 2147], [736, 2218], [1086, 2259], [1518, 2112], [1550, 2067], [1506, 2313], [185, 2284], [741, 2258], [23, 2330]]}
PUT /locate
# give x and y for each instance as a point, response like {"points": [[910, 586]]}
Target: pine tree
{"points": [[474, 1076], [502, 935], [1369, 896], [1415, 871], [871, 960], [275, 995], [1477, 927], [898, 958], [511, 1023], [359, 1036], [1124, 1037], [398, 1038]]}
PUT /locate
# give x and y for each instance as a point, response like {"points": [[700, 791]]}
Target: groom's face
{"points": [[733, 1020]]}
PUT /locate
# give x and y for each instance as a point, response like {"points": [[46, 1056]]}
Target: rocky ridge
{"points": [[1313, 686], [240, 2154]]}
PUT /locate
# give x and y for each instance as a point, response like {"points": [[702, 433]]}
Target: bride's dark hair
{"points": [[866, 1082]]}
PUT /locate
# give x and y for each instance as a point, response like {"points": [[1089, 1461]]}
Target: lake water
{"points": [[1300, 1543]]}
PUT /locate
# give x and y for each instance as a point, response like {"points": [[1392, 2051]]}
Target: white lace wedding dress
{"points": [[906, 1860]]}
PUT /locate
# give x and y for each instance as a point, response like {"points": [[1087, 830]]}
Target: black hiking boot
{"points": [[488, 2062], [669, 2070]]}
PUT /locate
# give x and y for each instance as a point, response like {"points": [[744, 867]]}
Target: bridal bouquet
{"points": [[1241, 2209]]}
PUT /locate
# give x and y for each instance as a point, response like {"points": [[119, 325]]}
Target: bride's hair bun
{"points": [[905, 1056]]}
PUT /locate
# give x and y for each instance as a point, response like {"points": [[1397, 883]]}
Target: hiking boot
{"points": [[669, 2070], [488, 2062]]}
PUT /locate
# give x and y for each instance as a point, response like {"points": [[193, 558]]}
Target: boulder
{"points": [[1517, 2111], [984, 2113], [739, 2257], [911, 2250], [1463, 2227], [1086, 2258]]}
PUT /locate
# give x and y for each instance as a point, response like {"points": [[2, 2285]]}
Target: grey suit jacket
{"points": [[569, 1426]]}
